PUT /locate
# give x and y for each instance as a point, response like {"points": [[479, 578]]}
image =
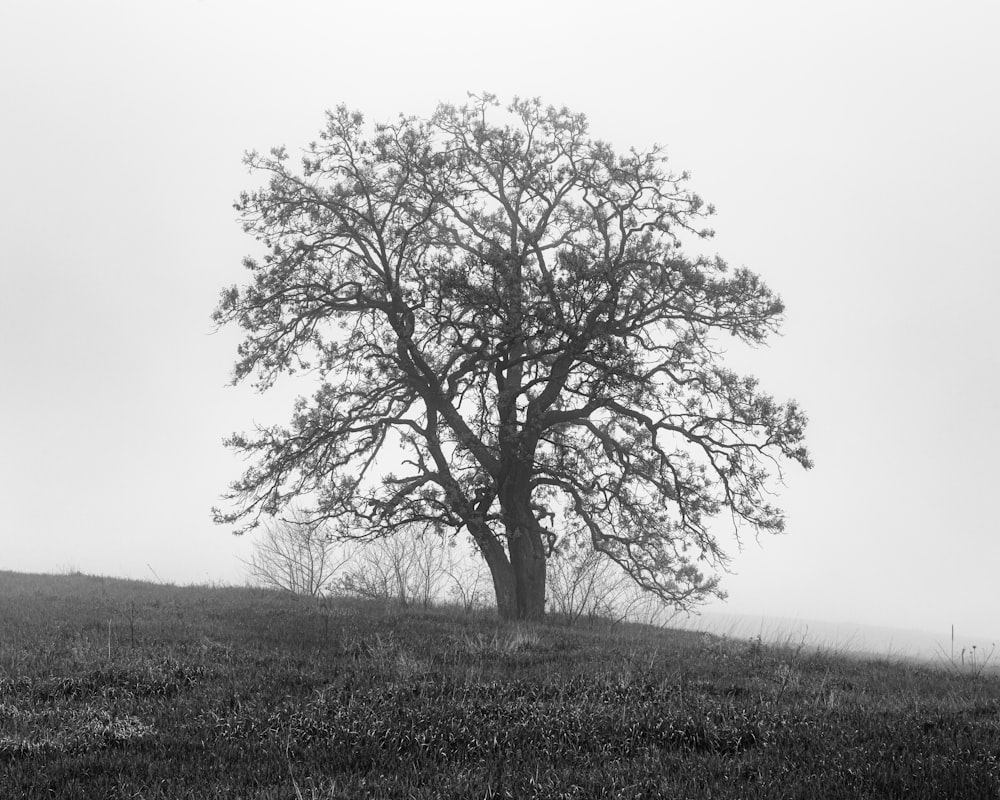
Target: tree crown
{"points": [[505, 309]]}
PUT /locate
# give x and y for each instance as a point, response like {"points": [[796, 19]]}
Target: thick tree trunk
{"points": [[500, 570], [505, 588], [518, 571], [518, 581], [526, 552], [527, 559]]}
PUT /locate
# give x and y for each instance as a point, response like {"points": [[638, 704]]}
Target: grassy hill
{"points": [[115, 689]]}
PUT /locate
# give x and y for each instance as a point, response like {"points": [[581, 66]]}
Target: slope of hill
{"points": [[115, 689]]}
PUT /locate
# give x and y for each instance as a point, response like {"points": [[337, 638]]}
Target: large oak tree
{"points": [[507, 338]]}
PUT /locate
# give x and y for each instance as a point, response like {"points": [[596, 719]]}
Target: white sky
{"points": [[852, 152]]}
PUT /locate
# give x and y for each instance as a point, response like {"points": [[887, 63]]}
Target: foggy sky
{"points": [[851, 150]]}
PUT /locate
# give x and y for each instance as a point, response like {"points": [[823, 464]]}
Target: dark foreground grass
{"points": [[252, 694]]}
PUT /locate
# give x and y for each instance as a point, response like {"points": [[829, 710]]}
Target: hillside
{"points": [[114, 689]]}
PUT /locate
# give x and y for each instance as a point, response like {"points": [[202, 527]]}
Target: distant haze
{"points": [[851, 149], [878, 642]]}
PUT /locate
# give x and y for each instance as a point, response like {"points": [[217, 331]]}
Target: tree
{"points": [[508, 339], [296, 554]]}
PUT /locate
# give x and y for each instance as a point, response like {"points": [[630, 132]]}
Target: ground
{"points": [[114, 689]]}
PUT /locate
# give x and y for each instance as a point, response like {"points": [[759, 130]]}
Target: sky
{"points": [[850, 149]]}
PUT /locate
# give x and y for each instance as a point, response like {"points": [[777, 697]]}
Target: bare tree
{"points": [[508, 302], [296, 554]]}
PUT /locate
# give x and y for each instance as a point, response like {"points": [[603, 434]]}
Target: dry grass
{"points": [[252, 694]]}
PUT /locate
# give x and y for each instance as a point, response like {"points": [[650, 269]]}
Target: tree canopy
{"points": [[508, 338]]}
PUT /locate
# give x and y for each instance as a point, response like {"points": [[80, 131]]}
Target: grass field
{"points": [[122, 689]]}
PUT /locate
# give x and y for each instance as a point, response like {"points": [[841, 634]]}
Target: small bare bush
{"points": [[584, 584], [469, 584], [409, 567], [637, 605], [298, 555]]}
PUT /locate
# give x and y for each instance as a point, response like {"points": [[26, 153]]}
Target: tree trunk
{"points": [[505, 588], [527, 559], [525, 548], [500, 570], [519, 582], [519, 572]]}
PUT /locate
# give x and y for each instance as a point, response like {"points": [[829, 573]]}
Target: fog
{"points": [[850, 150]]}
